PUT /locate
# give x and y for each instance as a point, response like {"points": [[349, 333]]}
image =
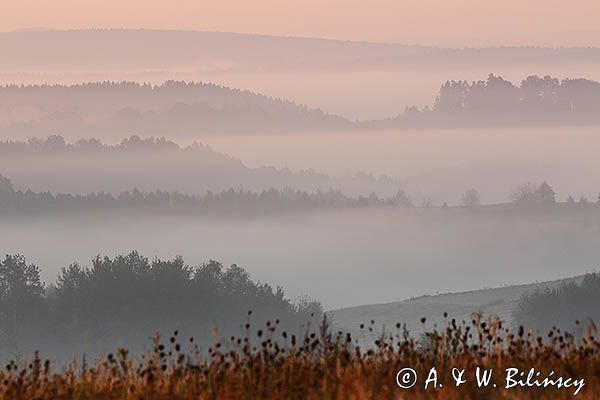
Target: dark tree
{"points": [[546, 194], [21, 297]]}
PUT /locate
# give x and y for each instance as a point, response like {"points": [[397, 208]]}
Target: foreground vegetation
{"points": [[268, 363], [223, 351]]}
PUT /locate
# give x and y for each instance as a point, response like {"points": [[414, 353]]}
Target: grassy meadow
{"points": [[268, 363]]}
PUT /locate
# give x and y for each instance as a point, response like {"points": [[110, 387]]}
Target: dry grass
{"points": [[270, 364]]}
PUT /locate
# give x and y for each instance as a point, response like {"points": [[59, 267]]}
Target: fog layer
{"points": [[341, 258]]}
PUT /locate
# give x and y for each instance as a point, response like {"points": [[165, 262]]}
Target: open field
{"points": [[500, 302]]}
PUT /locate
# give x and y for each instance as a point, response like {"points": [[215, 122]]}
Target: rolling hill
{"points": [[501, 302]]}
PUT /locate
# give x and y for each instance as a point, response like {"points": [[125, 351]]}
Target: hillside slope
{"points": [[128, 49], [499, 302], [151, 164]]}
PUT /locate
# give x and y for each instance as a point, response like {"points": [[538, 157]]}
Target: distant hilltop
{"points": [[179, 109], [126, 49], [174, 108]]}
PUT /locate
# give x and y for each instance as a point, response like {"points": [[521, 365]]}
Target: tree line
{"points": [[57, 144], [174, 107], [124, 94], [495, 101], [231, 202], [534, 94], [245, 202], [126, 299], [161, 163]]}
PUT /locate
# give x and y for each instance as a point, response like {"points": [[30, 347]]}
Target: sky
{"points": [[434, 22]]}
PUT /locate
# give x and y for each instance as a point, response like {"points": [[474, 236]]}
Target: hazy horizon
{"points": [[547, 23], [342, 258], [456, 46]]}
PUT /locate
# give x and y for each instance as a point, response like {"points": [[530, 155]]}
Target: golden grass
{"points": [[270, 364]]}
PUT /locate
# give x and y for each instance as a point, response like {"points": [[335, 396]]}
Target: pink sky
{"points": [[440, 22]]}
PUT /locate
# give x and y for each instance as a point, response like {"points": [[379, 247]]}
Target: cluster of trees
{"points": [[562, 305], [228, 202], [537, 101], [530, 195], [533, 95], [527, 195], [126, 299]]}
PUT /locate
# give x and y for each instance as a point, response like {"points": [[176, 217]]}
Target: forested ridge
{"points": [[174, 107]]}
